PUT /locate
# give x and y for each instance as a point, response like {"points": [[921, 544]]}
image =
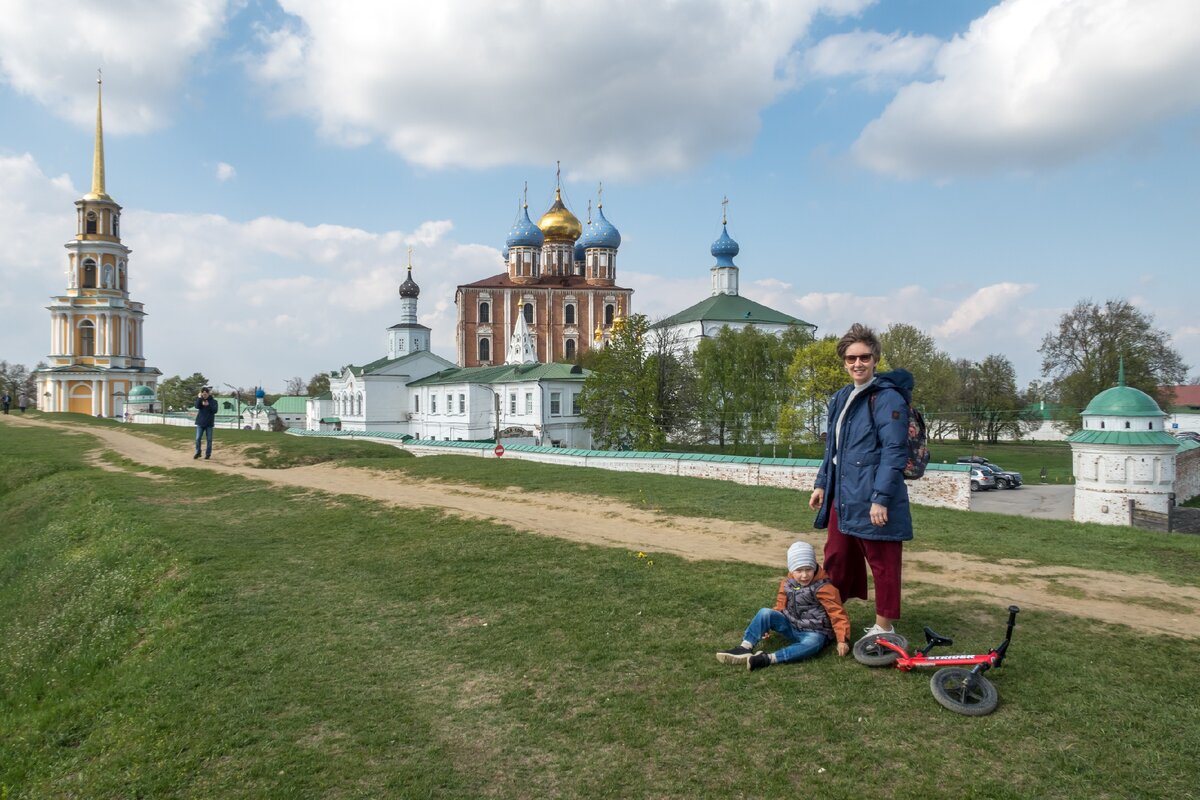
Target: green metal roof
{"points": [[291, 404], [331, 420], [1123, 437], [380, 363], [503, 373], [731, 308], [1123, 401], [141, 391]]}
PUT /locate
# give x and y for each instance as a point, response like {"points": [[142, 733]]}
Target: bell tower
{"points": [[96, 357]]}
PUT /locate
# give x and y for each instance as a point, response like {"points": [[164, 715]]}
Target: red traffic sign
{"points": [[499, 449]]}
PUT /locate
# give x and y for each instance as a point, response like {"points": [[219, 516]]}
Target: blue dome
{"points": [[601, 233], [259, 393], [580, 254], [724, 249], [524, 233], [504, 254]]}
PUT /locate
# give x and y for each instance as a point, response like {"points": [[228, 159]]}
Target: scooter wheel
{"points": [[867, 650], [964, 692]]}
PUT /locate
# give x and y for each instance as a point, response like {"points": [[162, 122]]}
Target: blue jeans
{"points": [[805, 644], [201, 431]]}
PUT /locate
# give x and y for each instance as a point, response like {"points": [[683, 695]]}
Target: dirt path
{"points": [[1142, 601]]}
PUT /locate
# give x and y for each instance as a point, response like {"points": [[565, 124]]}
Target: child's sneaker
{"points": [[758, 661], [737, 655]]}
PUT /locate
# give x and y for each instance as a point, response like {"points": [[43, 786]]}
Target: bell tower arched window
{"points": [[90, 222], [485, 311], [569, 350], [608, 314], [89, 274], [485, 349], [569, 314], [87, 339]]}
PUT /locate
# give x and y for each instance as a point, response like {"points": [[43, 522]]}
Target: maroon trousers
{"points": [[846, 558]]}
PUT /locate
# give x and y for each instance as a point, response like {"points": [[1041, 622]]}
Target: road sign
{"points": [[499, 449]]}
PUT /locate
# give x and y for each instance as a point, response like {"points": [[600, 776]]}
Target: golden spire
{"points": [[97, 192], [410, 260]]}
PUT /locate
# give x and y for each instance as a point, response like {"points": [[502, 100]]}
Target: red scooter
{"points": [[965, 691]]}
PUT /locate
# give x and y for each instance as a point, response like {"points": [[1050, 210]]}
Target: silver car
{"points": [[981, 480]]}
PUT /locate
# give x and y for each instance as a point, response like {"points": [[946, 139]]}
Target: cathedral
{"points": [[561, 277], [96, 356]]}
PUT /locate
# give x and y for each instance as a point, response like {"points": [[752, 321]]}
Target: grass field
{"points": [[203, 635]]}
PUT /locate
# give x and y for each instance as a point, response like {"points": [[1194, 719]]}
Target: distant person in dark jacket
{"points": [[6, 401], [206, 417], [859, 492]]}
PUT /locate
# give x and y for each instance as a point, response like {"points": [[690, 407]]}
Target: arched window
{"points": [[116, 222], [569, 314], [608, 314], [360, 404], [87, 339], [89, 274], [1126, 424], [485, 311], [485, 349], [528, 313], [570, 349], [1101, 423], [90, 225]]}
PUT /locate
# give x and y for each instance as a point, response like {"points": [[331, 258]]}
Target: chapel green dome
{"points": [[1123, 401], [141, 391]]}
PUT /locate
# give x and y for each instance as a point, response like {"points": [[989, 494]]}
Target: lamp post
{"points": [[237, 395]]}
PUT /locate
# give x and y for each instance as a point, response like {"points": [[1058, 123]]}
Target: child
{"points": [[808, 611]]}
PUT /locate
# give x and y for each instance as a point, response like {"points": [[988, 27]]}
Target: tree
{"points": [[1083, 357], [813, 376], [669, 369], [180, 393], [617, 399], [318, 384], [296, 386], [935, 379]]}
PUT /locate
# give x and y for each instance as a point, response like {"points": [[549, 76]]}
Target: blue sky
{"points": [[972, 168]]}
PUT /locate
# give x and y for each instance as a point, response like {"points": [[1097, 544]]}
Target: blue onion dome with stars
{"points": [[409, 288], [601, 233], [724, 249], [580, 250], [524, 233]]}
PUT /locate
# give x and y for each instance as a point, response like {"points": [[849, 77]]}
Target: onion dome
{"points": [[603, 233], [409, 288], [559, 223], [524, 233], [504, 254], [724, 249], [259, 394], [1123, 401]]}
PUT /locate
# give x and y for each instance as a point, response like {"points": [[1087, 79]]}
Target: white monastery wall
{"points": [[1187, 475]]}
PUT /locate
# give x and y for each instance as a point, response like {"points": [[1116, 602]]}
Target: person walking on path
{"points": [[859, 492], [6, 401], [206, 417], [22, 404]]}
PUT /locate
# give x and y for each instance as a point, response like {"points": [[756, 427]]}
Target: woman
{"points": [[860, 490]]}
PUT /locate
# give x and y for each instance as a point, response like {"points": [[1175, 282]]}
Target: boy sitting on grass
{"points": [[808, 612]]}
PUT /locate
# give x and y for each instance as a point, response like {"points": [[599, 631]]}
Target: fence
{"points": [[1176, 519]]}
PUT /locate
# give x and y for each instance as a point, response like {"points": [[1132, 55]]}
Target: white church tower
{"points": [[408, 336], [96, 331], [1122, 454]]}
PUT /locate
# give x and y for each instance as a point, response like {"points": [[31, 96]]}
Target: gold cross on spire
{"points": [[600, 195], [410, 258], [724, 204], [558, 173]]}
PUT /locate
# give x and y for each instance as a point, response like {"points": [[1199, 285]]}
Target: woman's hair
{"points": [[860, 333]]}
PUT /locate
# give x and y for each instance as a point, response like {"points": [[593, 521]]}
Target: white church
{"points": [[417, 393]]}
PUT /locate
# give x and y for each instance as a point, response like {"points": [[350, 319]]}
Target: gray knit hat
{"points": [[800, 554]]}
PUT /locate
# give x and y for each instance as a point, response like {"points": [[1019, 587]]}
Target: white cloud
{"points": [[1037, 83], [981, 307], [225, 172], [871, 54], [49, 51], [615, 88]]}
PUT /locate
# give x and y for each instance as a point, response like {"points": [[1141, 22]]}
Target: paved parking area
{"points": [[1042, 501]]}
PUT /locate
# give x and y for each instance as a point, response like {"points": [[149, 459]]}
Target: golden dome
{"points": [[559, 223]]}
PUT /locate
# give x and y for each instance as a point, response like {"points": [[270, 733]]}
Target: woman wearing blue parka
{"points": [[859, 492]]}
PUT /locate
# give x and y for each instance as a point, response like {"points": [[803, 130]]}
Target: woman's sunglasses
{"points": [[866, 358]]}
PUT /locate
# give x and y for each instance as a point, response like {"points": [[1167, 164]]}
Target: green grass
{"points": [[207, 635], [1027, 458]]}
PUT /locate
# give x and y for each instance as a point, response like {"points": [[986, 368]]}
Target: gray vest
{"points": [[804, 610]]}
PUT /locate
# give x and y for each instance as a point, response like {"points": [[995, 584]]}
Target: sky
{"points": [[972, 168]]}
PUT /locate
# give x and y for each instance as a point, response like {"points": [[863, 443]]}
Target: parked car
{"points": [[981, 480], [972, 460], [1005, 478]]}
